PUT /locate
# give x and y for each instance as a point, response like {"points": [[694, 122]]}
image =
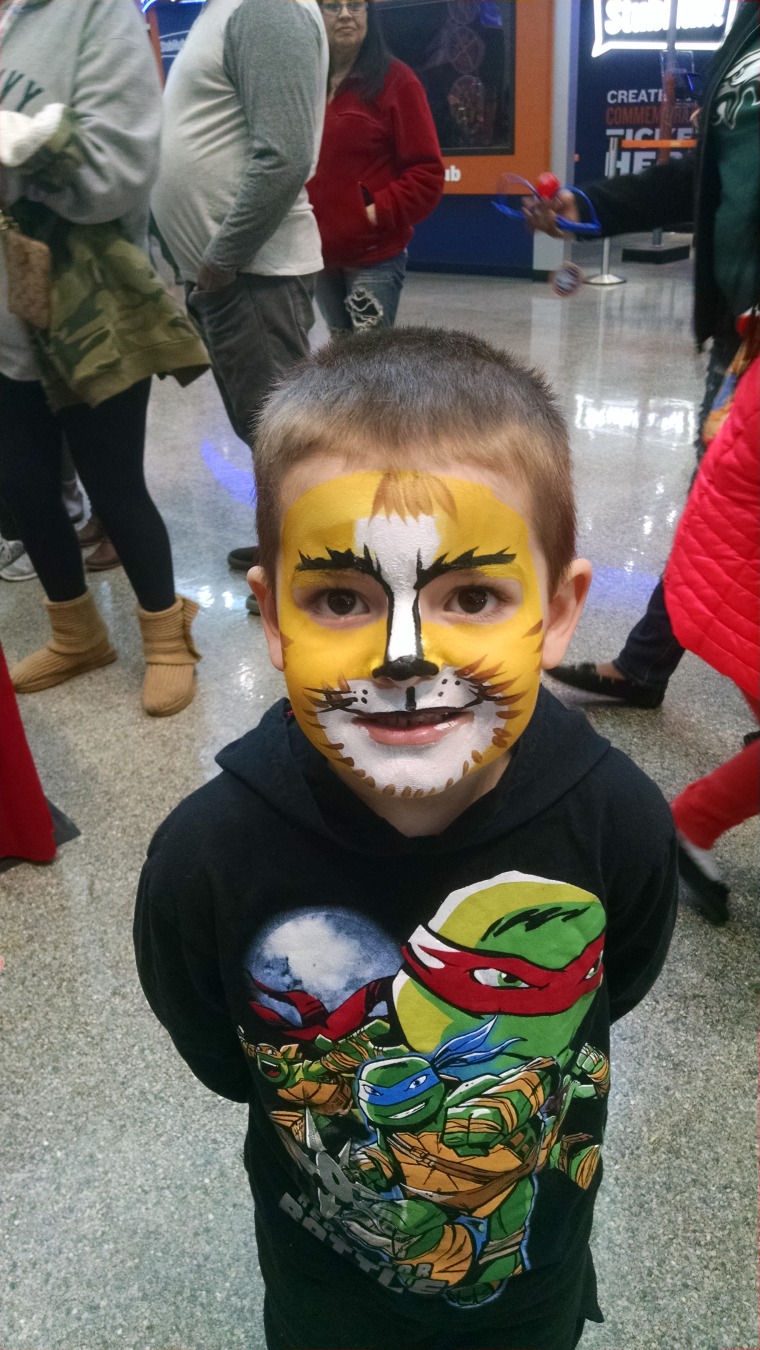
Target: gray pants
{"points": [[255, 330]]}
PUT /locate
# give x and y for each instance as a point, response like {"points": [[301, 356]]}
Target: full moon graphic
{"points": [[329, 953]]}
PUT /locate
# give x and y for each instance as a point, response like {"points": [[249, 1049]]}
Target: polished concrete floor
{"points": [[126, 1217]]}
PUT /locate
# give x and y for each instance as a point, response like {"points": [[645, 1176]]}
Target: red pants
{"points": [[724, 798], [26, 830]]}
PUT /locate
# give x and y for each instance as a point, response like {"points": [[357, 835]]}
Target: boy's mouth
{"points": [[424, 726]]}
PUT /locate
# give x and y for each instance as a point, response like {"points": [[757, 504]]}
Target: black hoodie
{"points": [[426, 1071]]}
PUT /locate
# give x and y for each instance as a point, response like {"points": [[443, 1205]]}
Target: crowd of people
{"points": [[241, 128], [400, 922]]}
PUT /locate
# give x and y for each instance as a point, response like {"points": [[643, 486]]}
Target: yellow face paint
{"points": [[410, 615]]}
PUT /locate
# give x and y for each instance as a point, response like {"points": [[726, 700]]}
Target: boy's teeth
{"points": [[423, 717]]}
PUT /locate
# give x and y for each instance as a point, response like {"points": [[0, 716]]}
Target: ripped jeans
{"points": [[356, 299]]}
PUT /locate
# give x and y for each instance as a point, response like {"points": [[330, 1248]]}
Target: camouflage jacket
{"points": [[113, 320]]}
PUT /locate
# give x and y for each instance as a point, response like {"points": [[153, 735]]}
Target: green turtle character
{"points": [[462, 1155], [323, 1086]]}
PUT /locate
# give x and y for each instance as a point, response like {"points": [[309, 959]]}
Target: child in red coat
{"points": [[712, 589]]}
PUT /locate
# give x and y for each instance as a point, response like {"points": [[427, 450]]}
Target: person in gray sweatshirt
{"points": [[88, 61], [243, 112]]}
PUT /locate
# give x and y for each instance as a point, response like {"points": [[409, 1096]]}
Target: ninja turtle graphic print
{"points": [[423, 1093]]}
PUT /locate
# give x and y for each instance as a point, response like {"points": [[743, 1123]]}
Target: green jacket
{"points": [[113, 321]]}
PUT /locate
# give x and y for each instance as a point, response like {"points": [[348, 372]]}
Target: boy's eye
{"points": [[481, 601], [343, 603], [473, 599], [477, 601]]}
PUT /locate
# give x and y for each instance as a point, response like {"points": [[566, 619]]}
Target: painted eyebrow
{"points": [[341, 560], [465, 562]]}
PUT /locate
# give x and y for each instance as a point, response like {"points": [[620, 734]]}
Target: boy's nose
{"points": [[405, 668]]}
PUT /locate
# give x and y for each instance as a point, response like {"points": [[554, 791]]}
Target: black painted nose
{"points": [[405, 668]]}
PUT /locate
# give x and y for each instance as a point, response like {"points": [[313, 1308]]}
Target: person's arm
{"points": [[417, 189], [657, 198], [629, 204], [178, 966], [641, 905], [274, 57], [116, 104]]}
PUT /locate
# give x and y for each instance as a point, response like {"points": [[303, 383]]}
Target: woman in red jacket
{"points": [[712, 590], [379, 172]]}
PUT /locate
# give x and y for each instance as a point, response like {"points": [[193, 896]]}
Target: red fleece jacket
{"points": [[712, 581], [390, 148]]}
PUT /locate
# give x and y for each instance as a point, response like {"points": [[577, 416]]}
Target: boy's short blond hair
{"points": [[425, 398]]}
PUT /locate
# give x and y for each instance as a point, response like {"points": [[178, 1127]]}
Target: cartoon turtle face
{"points": [[524, 950], [274, 1064], [399, 1094]]}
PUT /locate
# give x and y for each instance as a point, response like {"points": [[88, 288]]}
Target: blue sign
{"points": [[620, 78], [174, 23]]}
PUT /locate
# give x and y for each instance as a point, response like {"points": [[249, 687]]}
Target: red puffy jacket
{"points": [[712, 580]]}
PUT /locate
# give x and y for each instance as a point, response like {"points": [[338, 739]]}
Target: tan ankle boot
{"points": [[170, 657], [80, 642]]}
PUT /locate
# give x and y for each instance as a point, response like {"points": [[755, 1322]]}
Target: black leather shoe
{"points": [[240, 559], [711, 896], [585, 676]]}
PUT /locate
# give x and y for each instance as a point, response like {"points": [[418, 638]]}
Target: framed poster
{"points": [[486, 66], [463, 52]]}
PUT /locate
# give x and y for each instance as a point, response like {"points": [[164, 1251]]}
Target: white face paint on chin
{"points": [[418, 737]]}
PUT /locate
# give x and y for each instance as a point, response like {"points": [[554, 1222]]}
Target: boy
{"points": [[400, 921]]}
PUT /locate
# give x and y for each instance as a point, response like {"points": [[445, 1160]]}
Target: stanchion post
{"points": [[606, 277]]}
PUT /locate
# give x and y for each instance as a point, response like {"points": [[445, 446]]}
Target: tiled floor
{"points": [[126, 1215]]}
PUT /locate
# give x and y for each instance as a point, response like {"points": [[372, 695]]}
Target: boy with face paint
{"points": [[401, 920]]}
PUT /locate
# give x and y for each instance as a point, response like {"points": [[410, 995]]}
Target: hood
{"points": [[278, 764]]}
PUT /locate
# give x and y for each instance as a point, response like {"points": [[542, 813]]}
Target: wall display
{"points": [[486, 68], [464, 54], [620, 78]]}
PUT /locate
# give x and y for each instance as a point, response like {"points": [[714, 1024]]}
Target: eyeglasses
{"points": [[352, 6]]}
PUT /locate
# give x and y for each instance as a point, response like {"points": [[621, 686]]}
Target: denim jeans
{"points": [[652, 651], [355, 299]]}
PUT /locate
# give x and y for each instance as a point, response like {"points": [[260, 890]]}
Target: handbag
{"points": [[28, 264], [748, 325]]}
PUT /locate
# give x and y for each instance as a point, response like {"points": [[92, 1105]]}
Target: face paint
{"points": [[410, 617]]}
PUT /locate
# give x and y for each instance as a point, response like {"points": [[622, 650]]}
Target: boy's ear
{"points": [[268, 606], [564, 612]]}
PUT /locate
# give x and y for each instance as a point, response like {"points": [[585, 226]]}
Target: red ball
{"points": [[547, 185]]}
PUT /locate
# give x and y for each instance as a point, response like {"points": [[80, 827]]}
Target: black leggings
{"points": [[107, 445]]}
